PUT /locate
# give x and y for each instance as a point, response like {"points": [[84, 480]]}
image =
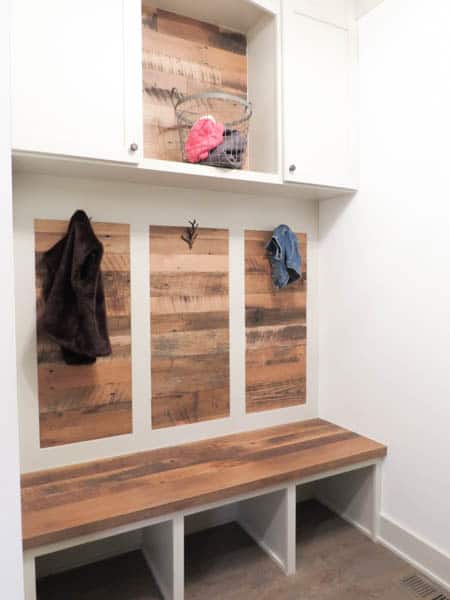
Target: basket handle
{"points": [[215, 95]]}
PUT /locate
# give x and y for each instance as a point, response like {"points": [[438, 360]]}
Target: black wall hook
{"points": [[191, 234]]}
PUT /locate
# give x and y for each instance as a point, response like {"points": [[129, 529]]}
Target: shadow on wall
{"points": [[335, 209]]}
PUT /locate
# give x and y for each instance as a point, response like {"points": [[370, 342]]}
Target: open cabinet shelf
{"points": [[195, 48]]}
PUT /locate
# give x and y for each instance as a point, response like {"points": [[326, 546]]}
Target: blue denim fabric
{"points": [[284, 256]]}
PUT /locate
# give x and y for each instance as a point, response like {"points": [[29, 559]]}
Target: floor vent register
{"points": [[423, 588]]}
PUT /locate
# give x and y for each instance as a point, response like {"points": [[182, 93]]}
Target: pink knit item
{"points": [[205, 135]]}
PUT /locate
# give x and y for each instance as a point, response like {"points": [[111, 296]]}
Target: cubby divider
{"points": [[270, 520], [268, 517], [162, 546]]}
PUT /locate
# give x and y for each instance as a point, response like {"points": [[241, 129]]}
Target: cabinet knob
{"points": [[292, 168], [134, 147]]}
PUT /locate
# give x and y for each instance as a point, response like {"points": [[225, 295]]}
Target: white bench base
{"points": [[268, 516]]}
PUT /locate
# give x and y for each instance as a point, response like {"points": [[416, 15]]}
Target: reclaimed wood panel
{"points": [[189, 326], [191, 56], [63, 503], [87, 402], [275, 330]]}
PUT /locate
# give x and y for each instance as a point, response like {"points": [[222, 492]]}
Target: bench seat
{"points": [[63, 503]]}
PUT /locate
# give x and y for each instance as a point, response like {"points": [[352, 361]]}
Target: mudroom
{"points": [[225, 316]]}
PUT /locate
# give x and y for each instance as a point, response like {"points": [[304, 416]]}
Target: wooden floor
{"points": [[62, 503], [335, 562]]}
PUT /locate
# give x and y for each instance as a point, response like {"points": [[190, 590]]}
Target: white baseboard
{"points": [[419, 553]]}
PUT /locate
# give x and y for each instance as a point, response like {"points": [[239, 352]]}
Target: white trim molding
{"points": [[11, 569], [420, 553]]}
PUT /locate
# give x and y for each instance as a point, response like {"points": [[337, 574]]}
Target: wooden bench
{"points": [[155, 490]]}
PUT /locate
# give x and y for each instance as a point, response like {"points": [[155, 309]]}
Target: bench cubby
{"points": [[121, 577], [151, 543], [267, 517], [355, 496]]}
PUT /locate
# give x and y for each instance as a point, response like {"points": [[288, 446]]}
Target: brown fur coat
{"points": [[75, 310]]}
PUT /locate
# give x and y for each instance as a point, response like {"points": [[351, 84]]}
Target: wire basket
{"points": [[225, 114]]}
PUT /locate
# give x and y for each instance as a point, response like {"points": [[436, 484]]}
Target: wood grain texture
{"points": [[192, 57], [275, 330], [67, 502], [189, 326], [86, 402]]}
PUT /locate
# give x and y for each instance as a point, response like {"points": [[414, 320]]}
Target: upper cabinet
{"points": [[94, 79], [319, 63], [76, 78]]}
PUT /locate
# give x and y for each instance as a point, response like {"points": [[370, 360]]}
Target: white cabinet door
{"points": [[77, 78], [319, 53]]}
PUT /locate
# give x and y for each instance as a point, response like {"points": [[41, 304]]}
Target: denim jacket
{"points": [[284, 256]]}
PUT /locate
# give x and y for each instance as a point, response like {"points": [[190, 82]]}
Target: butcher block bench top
{"points": [[59, 504]]}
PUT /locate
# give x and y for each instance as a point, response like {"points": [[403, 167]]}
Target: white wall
{"points": [[37, 196], [11, 538], [384, 280]]}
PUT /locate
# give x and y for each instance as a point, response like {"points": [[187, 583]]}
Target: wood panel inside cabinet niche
{"points": [[275, 330], [191, 56], [189, 326], [86, 402]]}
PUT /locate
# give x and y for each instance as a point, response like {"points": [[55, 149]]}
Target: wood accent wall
{"points": [[190, 56], [87, 402], [189, 326], [275, 330]]}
